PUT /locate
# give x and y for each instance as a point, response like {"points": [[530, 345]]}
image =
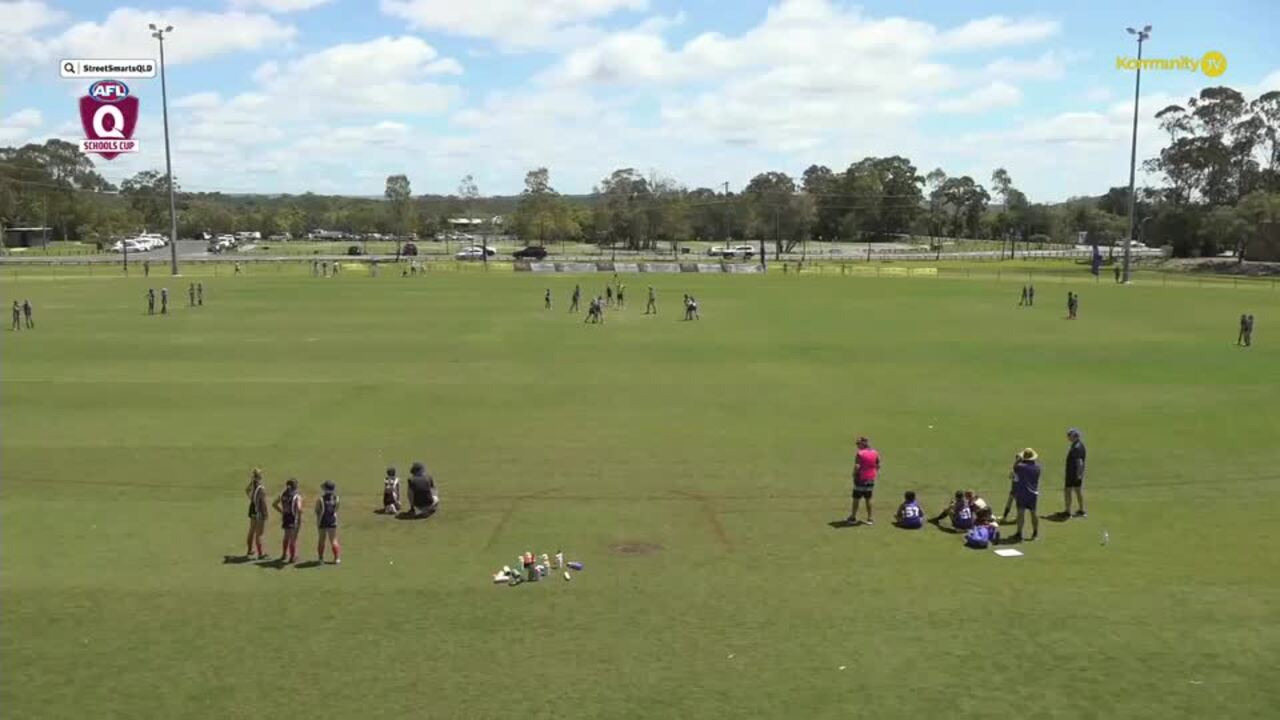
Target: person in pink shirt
{"points": [[866, 468]]}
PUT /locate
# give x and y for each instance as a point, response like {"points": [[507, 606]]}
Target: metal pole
{"points": [[168, 160], [1133, 154]]}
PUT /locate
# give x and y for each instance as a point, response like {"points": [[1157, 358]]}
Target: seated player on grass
{"points": [[423, 498], [910, 515], [985, 533], [976, 502], [960, 512], [391, 492]]}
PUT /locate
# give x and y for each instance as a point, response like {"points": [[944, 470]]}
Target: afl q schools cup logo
{"points": [[109, 115]]}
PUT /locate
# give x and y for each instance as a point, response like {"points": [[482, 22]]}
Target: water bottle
{"points": [[560, 560]]}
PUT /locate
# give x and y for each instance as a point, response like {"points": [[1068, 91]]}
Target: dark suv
{"points": [[530, 253]]}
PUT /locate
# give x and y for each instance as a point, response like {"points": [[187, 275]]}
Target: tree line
{"points": [[1220, 190]]}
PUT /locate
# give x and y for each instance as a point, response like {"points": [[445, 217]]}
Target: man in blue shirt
{"points": [[1026, 491]]}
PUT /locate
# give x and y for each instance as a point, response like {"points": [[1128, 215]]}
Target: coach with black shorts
{"points": [[1075, 475], [866, 467]]}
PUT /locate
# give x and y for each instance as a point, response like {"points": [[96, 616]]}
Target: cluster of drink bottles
{"points": [[534, 568]]}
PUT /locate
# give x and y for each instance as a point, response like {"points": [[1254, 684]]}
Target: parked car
{"points": [[716, 251], [481, 251], [409, 249], [532, 252], [471, 253], [743, 251]]}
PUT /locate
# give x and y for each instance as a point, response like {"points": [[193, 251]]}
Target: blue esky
{"points": [[333, 95]]}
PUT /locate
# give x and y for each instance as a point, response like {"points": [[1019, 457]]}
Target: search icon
{"points": [[69, 68]]}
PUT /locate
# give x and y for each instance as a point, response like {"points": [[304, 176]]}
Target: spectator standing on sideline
{"points": [[1027, 492], [546, 299], [1023, 300], [1031, 295], [17, 317], [1248, 332], [1117, 271], [26, 313], [652, 307], [151, 301], [164, 301], [191, 295], [866, 468], [199, 294], [146, 268], [1075, 475]]}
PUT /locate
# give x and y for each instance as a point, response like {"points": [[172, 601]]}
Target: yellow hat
{"points": [[1029, 455]]}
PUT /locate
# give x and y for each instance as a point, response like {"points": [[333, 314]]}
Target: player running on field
{"points": [[257, 514], [866, 468], [577, 295], [327, 521], [391, 492], [289, 505], [652, 307], [546, 299]]}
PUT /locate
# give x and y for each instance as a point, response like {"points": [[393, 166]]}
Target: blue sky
{"points": [[333, 95]]}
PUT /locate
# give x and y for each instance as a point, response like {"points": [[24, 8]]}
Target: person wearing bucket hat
{"points": [[1075, 475], [1026, 491]]}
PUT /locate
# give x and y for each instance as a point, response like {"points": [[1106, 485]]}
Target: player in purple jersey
{"points": [[910, 515], [289, 505], [959, 510]]}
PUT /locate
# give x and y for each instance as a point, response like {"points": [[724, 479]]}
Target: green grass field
{"points": [[727, 442]]}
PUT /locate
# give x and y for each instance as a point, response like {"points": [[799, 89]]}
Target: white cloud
{"points": [[197, 35], [20, 127], [990, 96], [514, 24], [378, 76], [997, 31], [198, 101], [1049, 66], [280, 6], [24, 17], [26, 118]]}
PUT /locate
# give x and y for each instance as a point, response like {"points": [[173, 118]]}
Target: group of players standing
{"points": [[424, 500], [969, 513], [597, 305], [195, 298]]}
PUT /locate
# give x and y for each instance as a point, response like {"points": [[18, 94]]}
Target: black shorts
{"points": [[389, 499], [329, 525], [863, 490], [1074, 482], [290, 522]]}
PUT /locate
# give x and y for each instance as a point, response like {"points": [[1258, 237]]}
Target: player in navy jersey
{"points": [[289, 505], [960, 512], [257, 514], [327, 521], [910, 515]]}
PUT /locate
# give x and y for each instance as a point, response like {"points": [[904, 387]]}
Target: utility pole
{"points": [[168, 162], [1142, 36]]}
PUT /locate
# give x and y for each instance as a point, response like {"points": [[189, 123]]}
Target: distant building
{"points": [[26, 236]]}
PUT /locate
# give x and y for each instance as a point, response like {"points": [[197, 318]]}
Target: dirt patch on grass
{"points": [[635, 548]]}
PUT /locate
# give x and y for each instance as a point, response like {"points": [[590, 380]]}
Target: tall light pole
{"points": [[158, 34], [1142, 36]]}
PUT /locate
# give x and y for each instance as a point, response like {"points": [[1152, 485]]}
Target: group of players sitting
{"points": [[968, 512], [424, 500]]}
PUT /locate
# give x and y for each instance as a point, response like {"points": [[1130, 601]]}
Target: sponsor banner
{"points": [[626, 267], [542, 267], [709, 268], [896, 271], [109, 116], [576, 267], [924, 272], [660, 267], [738, 268]]}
